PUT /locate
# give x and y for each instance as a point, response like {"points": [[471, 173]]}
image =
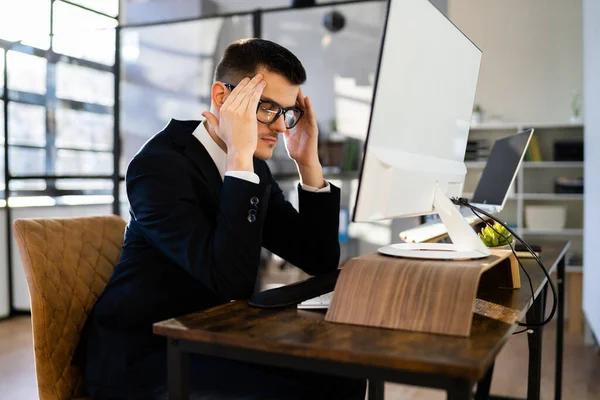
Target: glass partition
{"points": [[167, 73], [340, 69]]}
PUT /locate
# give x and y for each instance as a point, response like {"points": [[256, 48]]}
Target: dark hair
{"points": [[244, 57]]}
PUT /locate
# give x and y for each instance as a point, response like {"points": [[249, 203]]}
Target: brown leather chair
{"points": [[67, 262]]}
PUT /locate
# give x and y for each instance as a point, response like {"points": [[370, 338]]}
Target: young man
{"points": [[203, 203]]}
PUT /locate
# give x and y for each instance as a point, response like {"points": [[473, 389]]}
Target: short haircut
{"points": [[244, 57]]}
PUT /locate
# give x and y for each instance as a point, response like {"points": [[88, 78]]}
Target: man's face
{"points": [[282, 92]]}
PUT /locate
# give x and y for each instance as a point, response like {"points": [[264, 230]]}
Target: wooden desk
{"points": [[301, 339]]}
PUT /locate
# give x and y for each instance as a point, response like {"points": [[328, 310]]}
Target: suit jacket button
{"points": [[252, 212], [254, 201], [251, 218]]}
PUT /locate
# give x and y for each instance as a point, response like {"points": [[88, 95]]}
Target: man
{"points": [[203, 203]]}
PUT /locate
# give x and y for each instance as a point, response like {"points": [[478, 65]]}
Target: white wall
{"points": [[532, 55], [591, 274]]}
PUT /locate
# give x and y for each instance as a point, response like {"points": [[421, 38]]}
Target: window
{"points": [[1, 71], [24, 161], [2, 183], [83, 34], [81, 142], [84, 84], [104, 186], [26, 20], [1, 130], [26, 73], [25, 187], [26, 124], [71, 162], [84, 130]]}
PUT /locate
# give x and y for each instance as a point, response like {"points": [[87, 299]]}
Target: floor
{"points": [[581, 368]]}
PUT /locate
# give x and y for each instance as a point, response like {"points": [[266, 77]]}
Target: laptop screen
{"points": [[501, 169]]}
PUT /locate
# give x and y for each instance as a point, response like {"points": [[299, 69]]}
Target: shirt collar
{"points": [[217, 154]]}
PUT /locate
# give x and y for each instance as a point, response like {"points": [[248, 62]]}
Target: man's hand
{"points": [[301, 143], [237, 125]]}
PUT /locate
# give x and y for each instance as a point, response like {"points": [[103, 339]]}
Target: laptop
{"points": [[493, 187], [500, 171]]}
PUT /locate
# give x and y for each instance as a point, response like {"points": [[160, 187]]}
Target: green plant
{"points": [[477, 108], [333, 125], [495, 237], [576, 103]]}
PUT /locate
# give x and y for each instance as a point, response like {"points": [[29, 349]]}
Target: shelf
{"points": [[538, 125], [553, 164], [475, 164], [533, 164], [522, 125], [469, 195], [550, 196], [557, 232], [494, 126]]}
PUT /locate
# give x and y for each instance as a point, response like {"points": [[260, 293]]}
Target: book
{"points": [[533, 152]]}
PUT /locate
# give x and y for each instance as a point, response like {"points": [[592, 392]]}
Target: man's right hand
{"points": [[237, 125]]}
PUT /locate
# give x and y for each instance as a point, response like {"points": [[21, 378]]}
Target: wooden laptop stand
{"points": [[417, 295]]}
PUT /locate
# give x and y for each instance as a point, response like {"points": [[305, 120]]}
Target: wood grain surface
{"points": [[300, 333], [413, 294]]}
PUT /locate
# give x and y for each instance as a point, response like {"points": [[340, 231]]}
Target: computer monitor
{"points": [[417, 136]]}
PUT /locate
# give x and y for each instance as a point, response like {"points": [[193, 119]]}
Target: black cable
{"points": [[473, 208], [520, 265], [465, 202]]}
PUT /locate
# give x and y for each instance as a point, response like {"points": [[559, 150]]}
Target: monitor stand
{"points": [[465, 242]]}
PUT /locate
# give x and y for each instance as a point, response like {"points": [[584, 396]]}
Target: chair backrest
{"points": [[67, 262]]}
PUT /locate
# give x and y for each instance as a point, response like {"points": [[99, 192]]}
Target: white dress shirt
{"points": [[219, 157]]}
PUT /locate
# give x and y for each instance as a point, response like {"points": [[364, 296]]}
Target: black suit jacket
{"points": [[193, 242]]}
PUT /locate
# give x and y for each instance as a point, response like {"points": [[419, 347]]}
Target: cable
{"points": [[518, 261], [473, 208], [465, 202]]}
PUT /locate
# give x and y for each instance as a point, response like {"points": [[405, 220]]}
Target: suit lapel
{"points": [[193, 149]]}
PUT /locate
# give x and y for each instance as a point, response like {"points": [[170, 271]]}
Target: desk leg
{"points": [[178, 371], [483, 386], [535, 346], [460, 390], [376, 389], [560, 329]]}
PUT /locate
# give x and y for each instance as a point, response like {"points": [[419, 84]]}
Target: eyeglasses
{"points": [[268, 111]]}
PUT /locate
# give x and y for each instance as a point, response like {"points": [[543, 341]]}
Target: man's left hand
{"points": [[301, 143]]}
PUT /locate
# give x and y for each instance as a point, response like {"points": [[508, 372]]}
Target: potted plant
{"points": [[498, 237], [477, 116], [575, 107]]}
